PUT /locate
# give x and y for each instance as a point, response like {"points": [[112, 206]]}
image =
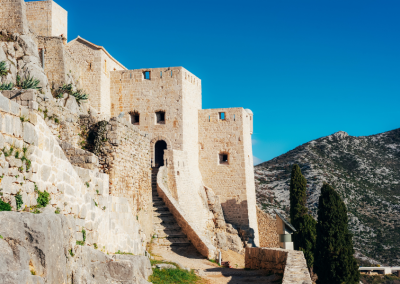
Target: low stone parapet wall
{"points": [[289, 262], [79, 157], [202, 245]]}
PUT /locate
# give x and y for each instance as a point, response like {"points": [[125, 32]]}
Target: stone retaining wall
{"points": [[202, 245], [80, 194], [289, 262]]}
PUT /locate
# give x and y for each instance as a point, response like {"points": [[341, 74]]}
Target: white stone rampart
{"points": [[190, 229], [13, 16], [227, 132], [95, 67], [47, 18], [81, 194], [186, 192], [290, 263]]}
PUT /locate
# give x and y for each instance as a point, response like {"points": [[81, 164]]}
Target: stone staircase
{"points": [[164, 224]]}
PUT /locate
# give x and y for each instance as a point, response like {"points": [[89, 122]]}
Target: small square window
{"points": [[146, 75], [223, 159], [160, 117], [135, 118], [222, 115]]}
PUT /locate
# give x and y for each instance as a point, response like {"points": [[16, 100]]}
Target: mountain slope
{"points": [[366, 173]]}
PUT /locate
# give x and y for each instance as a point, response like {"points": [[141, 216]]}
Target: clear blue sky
{"points": [[305, 68]]}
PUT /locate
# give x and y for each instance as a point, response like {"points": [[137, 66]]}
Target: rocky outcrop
{"points": [[41, 248], [366, 173]]}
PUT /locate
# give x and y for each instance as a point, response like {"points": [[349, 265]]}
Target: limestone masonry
{"points": [[138, 160]]}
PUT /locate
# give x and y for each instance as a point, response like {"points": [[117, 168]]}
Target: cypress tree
{"points": [[298, 187], [334, 260], [305, 236]]}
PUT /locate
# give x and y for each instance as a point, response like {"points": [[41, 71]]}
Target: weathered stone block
{"points": [[29, 134]]}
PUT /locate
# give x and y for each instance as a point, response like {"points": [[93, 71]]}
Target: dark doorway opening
{"points": [[159, 153]]}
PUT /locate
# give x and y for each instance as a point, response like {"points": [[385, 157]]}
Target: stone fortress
{"points": [[139, 161], [201, 149]]}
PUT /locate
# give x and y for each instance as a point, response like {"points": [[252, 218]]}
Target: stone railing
{"points": [[202, 245], [290, 263]]}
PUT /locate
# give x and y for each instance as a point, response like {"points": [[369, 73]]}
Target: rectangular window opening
{"points": [[146, 75], [222, 115], [223, 159], [234, 117], [135, 118], [160, 116], [160, 74]]}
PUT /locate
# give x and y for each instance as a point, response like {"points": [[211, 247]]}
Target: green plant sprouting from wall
{"points": [[78, 94], [28, 83], [3, 68], [6, 86], [18, 200], [43, 198]]}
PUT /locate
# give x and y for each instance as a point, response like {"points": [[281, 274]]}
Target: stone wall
{"points": [[59, 66], [289, 262], [164, 91], [96, 65], [47, 18], [80, 193], [59, 21], [200, 242], [13, 16], [232, 181], [125, 155], [267, 230], [39, 16], [186, 192]]}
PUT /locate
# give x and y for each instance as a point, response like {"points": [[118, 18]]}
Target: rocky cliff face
{"points": [[41, 248], [366, 173]]}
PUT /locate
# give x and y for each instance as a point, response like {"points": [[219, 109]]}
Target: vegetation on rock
{"points": [[304, 237], [334, 252], [365, 171], [43, 198], [3, 68], [4, 206], [172, 276]]}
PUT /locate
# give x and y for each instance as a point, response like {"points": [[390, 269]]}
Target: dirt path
{"points": [[212, 273]]}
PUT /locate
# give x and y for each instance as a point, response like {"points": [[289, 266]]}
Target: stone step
{"points": [[157, 199], [158, 203], [164, 220], [173, 242], [166, 227], [174, 234], [160, 208], [162, 214]]}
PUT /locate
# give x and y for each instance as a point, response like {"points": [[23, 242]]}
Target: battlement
{"points": [[157, 75]]}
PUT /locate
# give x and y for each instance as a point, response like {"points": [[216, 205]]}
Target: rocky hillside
{"points": [[365, 171]]}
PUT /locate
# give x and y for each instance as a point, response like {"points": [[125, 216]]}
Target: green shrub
{"points": [[4, 206], [173, 276], [28, 83], [84, 235], [95, 246], [6, 86], [43, 198], [3, 68], [80, 243], [18, 200]]}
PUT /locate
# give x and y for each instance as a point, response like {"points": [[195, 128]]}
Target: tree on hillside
{"points": [[334, 260], [305, 236]]}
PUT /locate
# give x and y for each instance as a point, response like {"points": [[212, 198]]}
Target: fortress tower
{"points": [[199, 147], [47, 18]]}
